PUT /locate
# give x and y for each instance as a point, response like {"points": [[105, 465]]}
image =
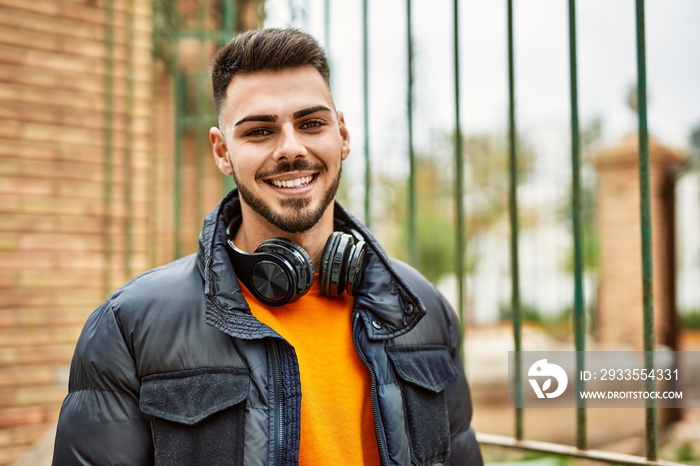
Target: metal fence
{"points": [[170, 28]]}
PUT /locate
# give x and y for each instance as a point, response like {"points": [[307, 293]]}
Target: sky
{"points": [[606, 49], [607, 70]]}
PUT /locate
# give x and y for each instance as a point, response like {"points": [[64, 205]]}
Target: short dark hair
{"points": [[269, 49]]}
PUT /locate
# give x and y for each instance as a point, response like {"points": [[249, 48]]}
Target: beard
{"points": [[297, 216]]}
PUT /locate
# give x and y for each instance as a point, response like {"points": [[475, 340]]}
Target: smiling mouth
{"points": [[295, 183]]}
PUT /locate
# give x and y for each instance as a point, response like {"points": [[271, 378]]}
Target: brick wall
{"points": [[619, 313], [77, 158], [88, 162]]}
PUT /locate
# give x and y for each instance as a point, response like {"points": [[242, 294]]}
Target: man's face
{"points": [[284, 143]]}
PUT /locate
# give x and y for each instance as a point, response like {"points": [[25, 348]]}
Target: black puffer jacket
{"points": [[174, 370]]}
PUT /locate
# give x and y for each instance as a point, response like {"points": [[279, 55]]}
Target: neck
{"points": [[255, 229]]}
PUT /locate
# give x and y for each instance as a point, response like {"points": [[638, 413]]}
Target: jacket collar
{"points": [[387, 305]]}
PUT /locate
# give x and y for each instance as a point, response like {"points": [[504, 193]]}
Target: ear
{"points": [[345, 135], [220, 151]]}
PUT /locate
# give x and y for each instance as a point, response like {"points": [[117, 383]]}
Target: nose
{"points": [[290, 145]]}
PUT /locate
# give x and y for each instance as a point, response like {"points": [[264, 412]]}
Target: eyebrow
{"points": [[261, 118], [273, 118], [310, 110]]}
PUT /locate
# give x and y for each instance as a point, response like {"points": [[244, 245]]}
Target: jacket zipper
{"points": [[278, 403], [383, 454]]}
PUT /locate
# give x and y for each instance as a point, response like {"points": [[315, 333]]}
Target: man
{"points": [[290, 337]]}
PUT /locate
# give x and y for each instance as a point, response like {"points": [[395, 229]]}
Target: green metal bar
{"points": [[260, 18], [128, 156], [513, 215], [412, 245], [228, 12], [365, 111], [156, 12], [645, 201], [460, 242], [198, 34], [229, 26], [107, 150], [179, 90], [155, 27], [579, 306], [200, 108]]}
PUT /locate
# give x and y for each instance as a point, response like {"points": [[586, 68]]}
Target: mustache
{"points": [[288, 167]]}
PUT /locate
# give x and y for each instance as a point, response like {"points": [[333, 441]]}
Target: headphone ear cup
{"points": [[299, 260], [273, 282], [329, 253], [336, 263], [354, 269], [268, 276]]}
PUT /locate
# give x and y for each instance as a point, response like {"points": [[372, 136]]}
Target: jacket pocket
{"points": [[423, 373], [197, 416]]}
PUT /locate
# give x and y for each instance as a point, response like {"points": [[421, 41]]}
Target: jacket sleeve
{"points": [[100, 422]]}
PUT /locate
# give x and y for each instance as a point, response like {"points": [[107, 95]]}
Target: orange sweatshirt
{"points": [[337, 426]]}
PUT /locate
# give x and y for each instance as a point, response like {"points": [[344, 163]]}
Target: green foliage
{"points": [[591, 248], [504, 456], [487, 177], [436, 250], [590, 134], [685, 453], [589, 227], [528, 313], [559, 325], [691, 319]]}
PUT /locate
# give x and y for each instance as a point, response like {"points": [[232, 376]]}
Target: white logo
{"points": [[543, 369]]}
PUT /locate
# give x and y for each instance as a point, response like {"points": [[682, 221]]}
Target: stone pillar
{"points": [[619, 310]]}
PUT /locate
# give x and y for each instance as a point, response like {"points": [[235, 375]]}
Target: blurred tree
{"points": [[694, 142], [590, 135], [486, 199]]}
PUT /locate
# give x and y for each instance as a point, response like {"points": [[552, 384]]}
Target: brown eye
{"points": [[312, 124], [258, 132]]}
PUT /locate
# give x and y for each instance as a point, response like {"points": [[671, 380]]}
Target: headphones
{"points": [[280, 271]]}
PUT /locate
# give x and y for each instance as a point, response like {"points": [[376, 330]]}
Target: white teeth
{"points": [[303, 181]]}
